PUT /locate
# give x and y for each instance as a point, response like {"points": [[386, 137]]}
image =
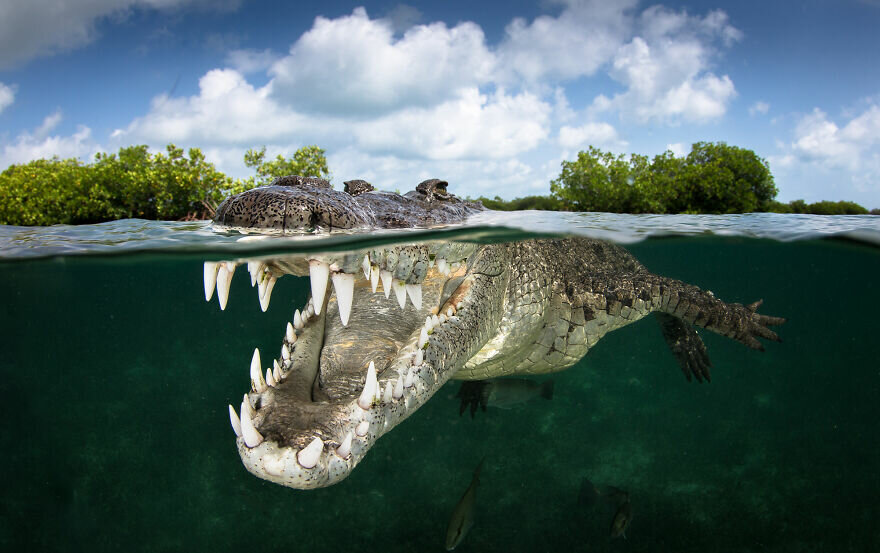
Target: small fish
{"points": [[504, 393], [463, 515], [621, 519]]}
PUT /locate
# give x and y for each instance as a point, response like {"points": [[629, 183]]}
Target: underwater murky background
{"points": [[116, 374]]}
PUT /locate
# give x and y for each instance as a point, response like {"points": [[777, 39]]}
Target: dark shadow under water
{"points": [[117, 373]]}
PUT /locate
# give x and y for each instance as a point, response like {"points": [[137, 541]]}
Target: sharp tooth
{"points": [[374, 278], [285, 352], [267, 293], [386, 282], [450, 312], [400, 291], [246, 401], [386, 398], [415, 294], [344, 449], [210, 279], [270, 379], [435, 321], [253, 268], [224, 279], [423, 338], [362, 428], [319, 272], [309, 455], [428, 323], [257, 383], [290, 334], [236, 423], [410, 377], [442, 266], [344, 285], [252, 438], [310, 309], [366, 266], [369, 391], [442, 318], [398, 387], [298, 320], [276, 370], [419, 358]]}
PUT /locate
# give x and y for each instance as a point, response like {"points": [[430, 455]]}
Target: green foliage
{"points": [[545, 203], [819, 208], [133, 183], [713, 178], [308, 161]]}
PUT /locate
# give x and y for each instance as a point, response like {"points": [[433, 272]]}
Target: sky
{"points": [[491, 96]]}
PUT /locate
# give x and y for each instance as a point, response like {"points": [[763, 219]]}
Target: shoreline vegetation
{"points": [[178, 185]]}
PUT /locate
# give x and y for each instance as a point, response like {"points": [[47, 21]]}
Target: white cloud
{"points": [[678, 149], [33, 28], [759, 107], [38, 145], [600, 135], [354, 64], [855, 146], [248, 61], [574, 44], [665, 69], [7, 96]]}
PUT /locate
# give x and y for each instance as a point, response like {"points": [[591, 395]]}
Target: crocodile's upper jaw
{"points": [[337, 388]]}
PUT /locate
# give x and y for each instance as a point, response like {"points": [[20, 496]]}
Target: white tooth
{"points": [[319, 272], [310, 309], [450, 312], [398, 387], [224, 279], [270, 379], [246, 401], [428, 323], [374, 278], [210, 279], [285, 352], [236, 423], [252, 438], [386, 282], [344, 449], [442, 266], [309, 455], [400, 291], [435, 321], [366, 265], [253, 269], [298, 320], [257, 383], [267, 293], [415, 294], [419, 358], [408, 381], [386, 398], [276, 370], [442, 318], [362, 428], [423, 338], [344, 285], [305, 317], [370, 386], [290, 334]]}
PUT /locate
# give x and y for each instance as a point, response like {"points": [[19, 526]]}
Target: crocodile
{"points": [[355, 362]]}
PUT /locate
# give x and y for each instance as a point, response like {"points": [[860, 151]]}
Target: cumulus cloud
{"points": [[665, 69], [854, 146], [7, 96], [43, 27], [601, 135], [38, 144], [248, 61], [576, 43], [354, 64], [678, 149]]}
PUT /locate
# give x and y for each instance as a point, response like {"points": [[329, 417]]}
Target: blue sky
{"points": [[491, 96]]}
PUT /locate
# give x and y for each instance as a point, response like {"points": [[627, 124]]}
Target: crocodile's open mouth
{"points": [[382, 331]]}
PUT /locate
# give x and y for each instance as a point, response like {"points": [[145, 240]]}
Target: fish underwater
{"points": [[503, 393], [463, 515], [593, 496], [621, 519]]}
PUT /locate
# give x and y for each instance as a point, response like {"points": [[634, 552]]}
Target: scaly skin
{"points": [[529, 307]]}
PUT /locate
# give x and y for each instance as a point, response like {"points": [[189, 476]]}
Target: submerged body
{"points": [[354, 364], [462, 518]]}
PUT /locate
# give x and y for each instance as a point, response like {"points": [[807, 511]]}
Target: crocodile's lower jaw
{"points": [[293, 431]]}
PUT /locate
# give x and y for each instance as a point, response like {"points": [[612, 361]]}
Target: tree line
{"points": [[175, 185]]}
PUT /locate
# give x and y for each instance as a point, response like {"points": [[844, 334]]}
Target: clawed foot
{"points": [[473, 393], [754, 325]]}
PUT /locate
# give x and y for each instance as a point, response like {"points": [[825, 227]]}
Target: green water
{"points": [[116, 375]]}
